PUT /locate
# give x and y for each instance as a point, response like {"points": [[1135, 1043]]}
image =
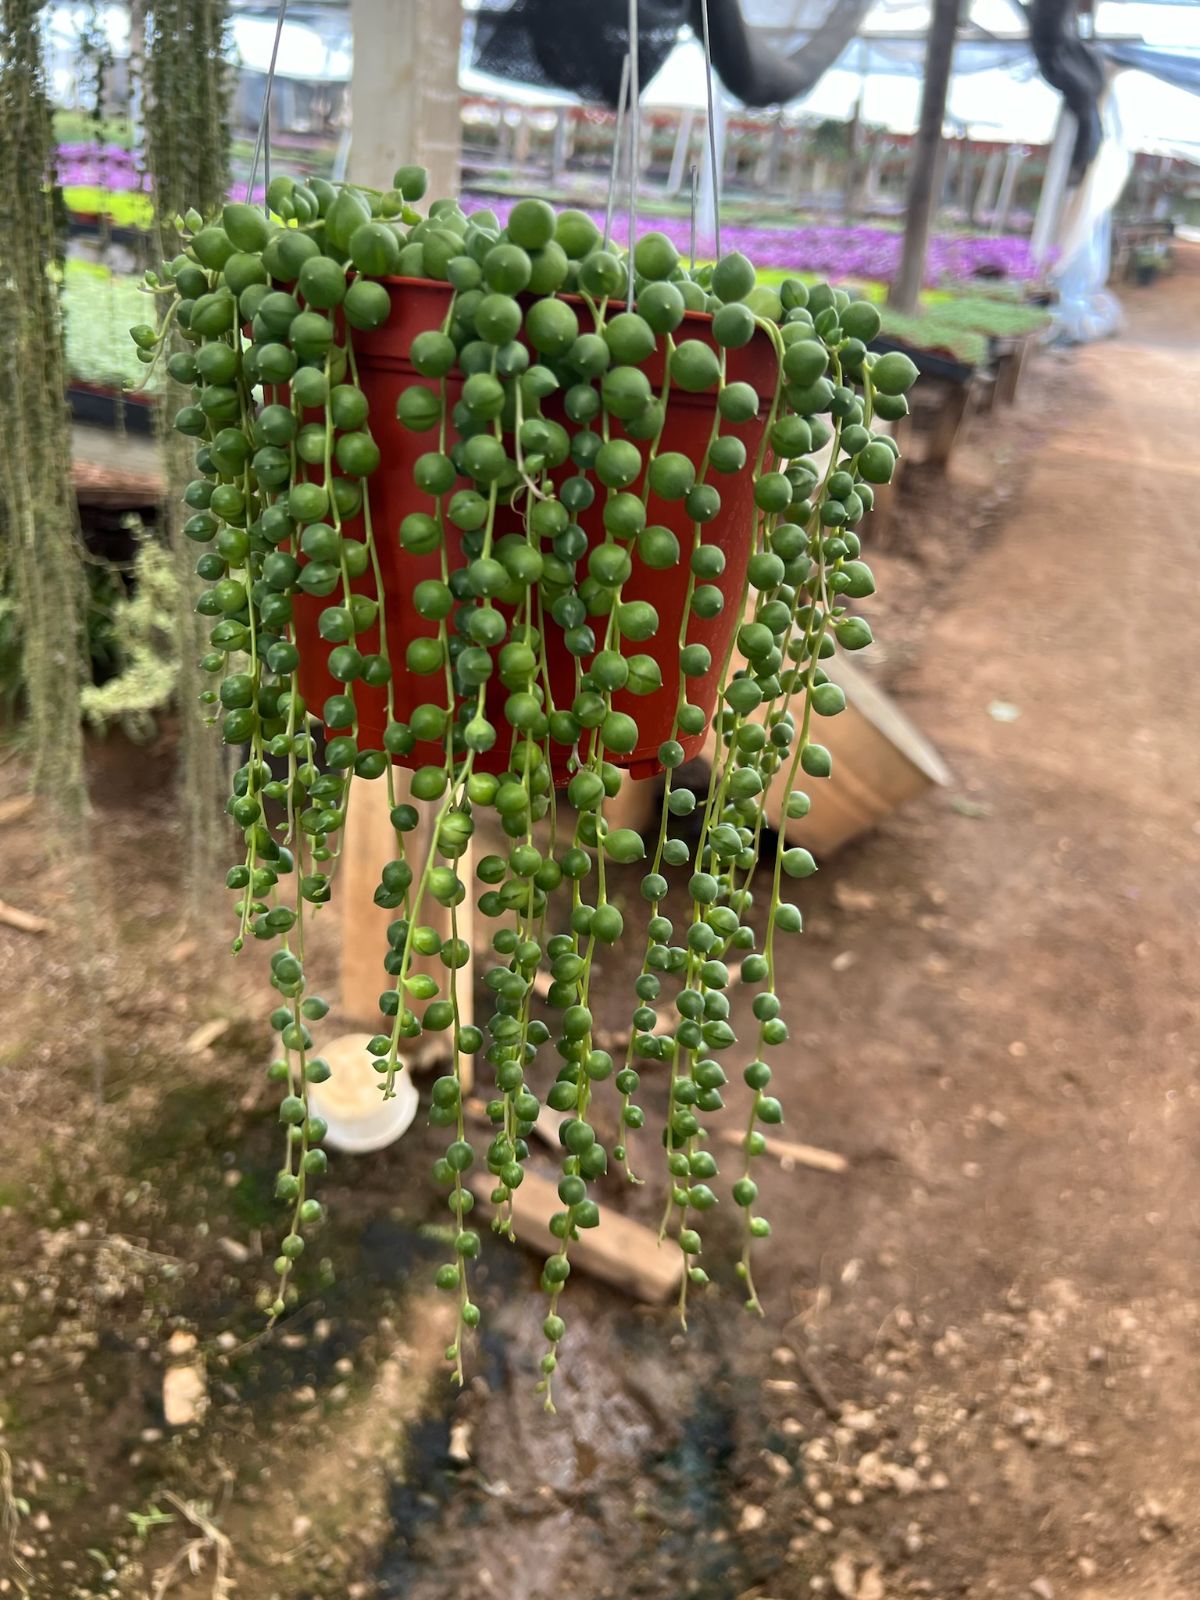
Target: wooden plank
{"points": [[1008, 377], [23, 921], [12, 810], [948, 425], [110, 488], [788, 1152], [880, 761], [619, 1251]]}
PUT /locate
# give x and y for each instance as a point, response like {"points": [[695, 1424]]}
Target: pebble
{"points": [[184, 1394], [459, 1449], [1042, 1588], [870, 1585], [845, 1577], [848, 898]]}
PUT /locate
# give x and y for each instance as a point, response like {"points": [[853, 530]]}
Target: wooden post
{"points": [[405, 108], [922, 184], [820, 181], [560, 152], [989, 184], [1054, 187], [774, 153], [683, 144], [523, 139], [1008, 186], [948, 424], [875, 164], [796, 170], [405, 105]]}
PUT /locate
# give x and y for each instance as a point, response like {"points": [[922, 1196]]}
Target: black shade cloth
{"points": [[580, 45]]}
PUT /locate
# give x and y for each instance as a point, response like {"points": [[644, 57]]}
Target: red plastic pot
{"points": [[384, 370]]}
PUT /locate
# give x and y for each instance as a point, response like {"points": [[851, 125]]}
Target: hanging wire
{"points": [[695, 175], [712, 129], [616, 155], [263, 142], [635, 136], [267, 148]]}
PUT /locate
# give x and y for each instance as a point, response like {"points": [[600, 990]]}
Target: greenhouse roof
{"points": [[996, 93]]}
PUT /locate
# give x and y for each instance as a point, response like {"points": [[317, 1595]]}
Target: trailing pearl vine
{"points": [[576, 596]]}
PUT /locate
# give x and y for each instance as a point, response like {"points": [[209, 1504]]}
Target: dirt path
{"points": [[1001, 1296], [1013, 1064], [978, 1372]]}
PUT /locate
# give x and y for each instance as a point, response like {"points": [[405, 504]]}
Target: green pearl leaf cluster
{"points": [[544, 392]]}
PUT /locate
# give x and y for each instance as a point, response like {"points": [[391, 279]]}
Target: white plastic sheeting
{"points": [[1086, 310]]}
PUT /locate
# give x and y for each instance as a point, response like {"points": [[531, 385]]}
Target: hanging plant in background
{"points": [[40, 563], [186, 87], [143, 636], [467, 505]]}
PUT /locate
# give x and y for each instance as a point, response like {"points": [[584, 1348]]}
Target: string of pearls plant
{"points": [[542, 396], [41, 554]]}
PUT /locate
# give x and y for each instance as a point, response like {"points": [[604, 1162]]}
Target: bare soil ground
{"points": [[977, 1375]]}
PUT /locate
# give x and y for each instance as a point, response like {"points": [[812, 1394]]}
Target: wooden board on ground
{"points": [[942, 418], [1010, 366], [880, 760], [789, 1153], [619, 1251]]}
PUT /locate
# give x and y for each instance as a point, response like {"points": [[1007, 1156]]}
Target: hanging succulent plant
{"points": [[471, 502], [40, 556], [186, 87]]}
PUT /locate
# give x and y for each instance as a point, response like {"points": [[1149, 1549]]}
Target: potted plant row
{"points": [[525, 514]]}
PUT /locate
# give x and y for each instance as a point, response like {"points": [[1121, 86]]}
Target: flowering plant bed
{"points": [[861, 252], [472, 503]]}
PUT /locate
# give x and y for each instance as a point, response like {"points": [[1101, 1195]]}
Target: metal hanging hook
{"points": [[635, 137], [694, 173], [615, 167], [712, 129], [263, 142]]}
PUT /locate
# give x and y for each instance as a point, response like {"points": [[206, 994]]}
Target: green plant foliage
{"points": [[961, 325], [40, 562], [143, 635], [926, 330], [186, 88], [187, 85], [533, 657]]}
